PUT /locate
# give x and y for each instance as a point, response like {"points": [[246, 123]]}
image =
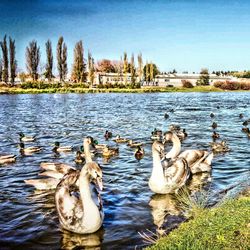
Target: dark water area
{"points": [[28, 219]]}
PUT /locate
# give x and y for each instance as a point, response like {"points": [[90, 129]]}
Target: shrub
{"points": [[218, 84], [245, 85], [230, 85], [186, 84]]}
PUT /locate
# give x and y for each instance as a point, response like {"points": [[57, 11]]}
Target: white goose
{"points": [[198, 160], [80, 214], [170, 179]]}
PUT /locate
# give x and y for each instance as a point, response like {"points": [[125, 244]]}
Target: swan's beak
{"points": [[99, 183]]}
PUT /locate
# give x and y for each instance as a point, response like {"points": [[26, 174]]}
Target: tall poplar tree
{"points": [[125, 66], [33, 59], [49, 64], [132, 71], [13, 62], [140, 67], [5, 70], [79, 67], [62, 59]]}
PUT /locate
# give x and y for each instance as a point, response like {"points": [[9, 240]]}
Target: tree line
{"points": [[82, 70]]}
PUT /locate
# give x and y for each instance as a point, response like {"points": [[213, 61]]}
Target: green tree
{"points": [[125, 66], [49, 65], [91, 69], [132, 71], [79, 67], [13, 62], [204, 78], [5, 70], [150, 71], [62, 59], [33, 59], [140, 67]]}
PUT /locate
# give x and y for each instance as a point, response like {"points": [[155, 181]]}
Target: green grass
{"points": [[224, 227], [18, 90]]}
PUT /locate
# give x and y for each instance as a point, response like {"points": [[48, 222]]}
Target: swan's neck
{"points": [[176, 149], [89, 207], [157, 171], [87, 153]]}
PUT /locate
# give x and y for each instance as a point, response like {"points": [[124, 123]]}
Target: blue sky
{"points": [[185, 35]]}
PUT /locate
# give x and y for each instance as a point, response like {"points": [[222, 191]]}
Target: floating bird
{"points": [[215, 135], [169, 179], [214, 125], [198, 160], [26, 138], [79, 159], [28, 150], [119, 139], [134, 144], [219, 147], [108, 151], [156, 134], [166, 116], [241, 116], [245, 123], [107, 134], [212, 115], [58, 148], [139, 153], [80, 214], [245, 130], [4, 159]]}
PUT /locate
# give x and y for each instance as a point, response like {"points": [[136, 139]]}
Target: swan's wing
{"points": [[58, 167], [53, 174], [43, 184]]}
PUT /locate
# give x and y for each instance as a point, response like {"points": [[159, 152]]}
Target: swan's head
{"points": [[167, 137], [89, 141], [95, 173], [159, 147]]}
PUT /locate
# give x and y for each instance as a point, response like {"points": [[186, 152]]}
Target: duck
{"points": [[25, 138], [212, 115], [29, 150], [139, 153], [198, 160], [5, 159], [245, 123], [166, 116], [165, 180], [134, 144], [245, 130], [80, 214], [108, 152], [119, 139], [241, 116], [220, 147], [58, 148], [107, 135], [99, 146], [214, 125], [215, 135], [79, 159]]}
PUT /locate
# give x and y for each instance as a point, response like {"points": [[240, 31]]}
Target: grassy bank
{"points": [[15, 90], [223, 227]]}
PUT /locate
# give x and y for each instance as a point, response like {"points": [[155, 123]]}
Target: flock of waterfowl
{"points": [[78, 202]]}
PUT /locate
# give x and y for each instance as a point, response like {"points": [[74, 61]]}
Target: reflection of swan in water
{"points": [[78, 241], [163, 205]]}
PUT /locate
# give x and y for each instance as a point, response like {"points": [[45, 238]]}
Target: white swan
{"points": [[198, 160], [169, 179], [80, 215]]}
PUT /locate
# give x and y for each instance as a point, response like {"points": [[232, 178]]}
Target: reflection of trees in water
{"points": [[166, 209], [72, 241]]}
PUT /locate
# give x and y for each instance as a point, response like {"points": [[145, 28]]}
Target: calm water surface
{"points": [[28, 219]]}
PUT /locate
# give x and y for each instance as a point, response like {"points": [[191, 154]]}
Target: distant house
{"points": [[112, 78], [176, 80]]}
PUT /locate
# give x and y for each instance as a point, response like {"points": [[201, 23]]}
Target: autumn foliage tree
{"points": [[33, 59], [106, 66]]}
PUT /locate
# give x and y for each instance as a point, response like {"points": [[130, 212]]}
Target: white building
{"points": [[176, 80]]}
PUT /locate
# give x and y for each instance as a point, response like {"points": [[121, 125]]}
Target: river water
{"points": [[28, 219]]}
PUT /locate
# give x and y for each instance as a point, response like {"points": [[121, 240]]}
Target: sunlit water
{"points": [[28, 219]]}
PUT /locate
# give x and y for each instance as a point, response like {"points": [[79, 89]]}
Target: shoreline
{"points": [[78, 90]]}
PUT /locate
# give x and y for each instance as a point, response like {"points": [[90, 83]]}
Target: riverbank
{"points": [[18, 90], [224, 227]]}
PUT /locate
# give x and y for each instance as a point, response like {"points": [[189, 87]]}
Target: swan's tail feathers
{"points": [[209, 159]]}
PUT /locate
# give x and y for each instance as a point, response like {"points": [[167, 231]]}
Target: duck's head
{"points": [[95, 173], [21, 145], [57, 144], [21, 134]]}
